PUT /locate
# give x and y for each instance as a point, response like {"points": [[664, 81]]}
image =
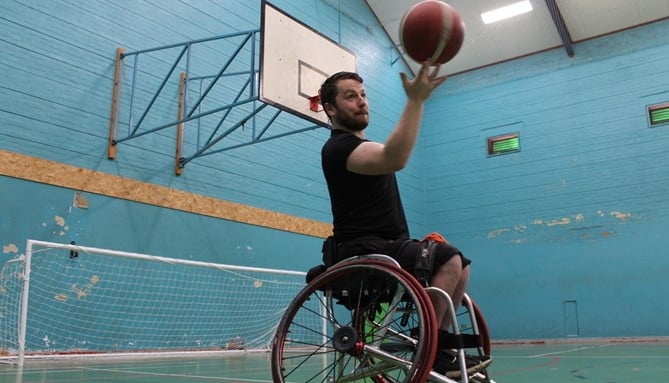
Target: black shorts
{"points": [[404, 251]]}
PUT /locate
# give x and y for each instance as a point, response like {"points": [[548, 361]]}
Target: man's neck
{"points": [[358, 133]]}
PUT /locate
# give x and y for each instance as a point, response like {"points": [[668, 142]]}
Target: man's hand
{"points": [[374, 158], [421, 87]]}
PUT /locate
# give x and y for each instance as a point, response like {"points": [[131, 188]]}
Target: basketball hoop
{"points": [[314, 102]]}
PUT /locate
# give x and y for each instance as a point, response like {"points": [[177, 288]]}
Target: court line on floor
{"points": [[569, 351], [134, 372], [554, 361]]}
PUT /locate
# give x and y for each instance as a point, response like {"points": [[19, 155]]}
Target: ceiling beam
{"points": [[561, 27]]}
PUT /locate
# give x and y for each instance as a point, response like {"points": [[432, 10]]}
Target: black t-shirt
{"points": [[362, 205]]}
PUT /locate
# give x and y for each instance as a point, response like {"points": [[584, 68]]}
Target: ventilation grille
{"points": [[504, 144], [658, 114]]}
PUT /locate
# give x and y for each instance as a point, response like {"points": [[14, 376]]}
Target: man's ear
{"points": [[329, 109]]}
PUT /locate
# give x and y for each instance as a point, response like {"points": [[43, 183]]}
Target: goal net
{"points": [[66, 299]]}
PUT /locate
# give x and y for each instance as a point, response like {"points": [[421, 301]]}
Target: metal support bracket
{"points": [[233, 88]]}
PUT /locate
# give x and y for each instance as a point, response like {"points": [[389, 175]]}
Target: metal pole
{"points": [[23, 316]]}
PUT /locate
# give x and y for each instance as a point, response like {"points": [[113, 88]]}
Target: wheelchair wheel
{"points": [[473, 326], [359, 321], [483, 329]]}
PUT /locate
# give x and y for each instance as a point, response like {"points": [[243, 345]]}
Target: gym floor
{"points": [[598, 362]]}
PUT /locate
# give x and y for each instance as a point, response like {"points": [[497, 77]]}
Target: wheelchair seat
{"points": [[359, 291]]}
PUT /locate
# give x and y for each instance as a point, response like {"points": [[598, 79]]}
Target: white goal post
{"points": [[64, 299]]}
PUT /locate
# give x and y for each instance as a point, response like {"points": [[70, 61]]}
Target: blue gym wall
{"points": [[570, 232], [571, 223]]}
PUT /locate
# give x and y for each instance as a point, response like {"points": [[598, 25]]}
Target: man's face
{"points": [[351, 110]]}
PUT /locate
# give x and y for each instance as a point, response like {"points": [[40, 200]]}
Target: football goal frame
{"points": [[66, 300]]}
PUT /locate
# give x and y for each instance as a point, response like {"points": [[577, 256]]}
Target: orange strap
{"points": [[435, 237]]}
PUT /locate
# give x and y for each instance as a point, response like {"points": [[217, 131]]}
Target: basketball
{"points": [[432, 29]]}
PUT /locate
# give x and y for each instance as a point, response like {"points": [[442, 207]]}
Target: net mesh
{"points": [[87, 302]]}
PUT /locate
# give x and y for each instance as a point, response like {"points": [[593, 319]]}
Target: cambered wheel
{"points": [[360, 321], [468, 326], [483, 329]]}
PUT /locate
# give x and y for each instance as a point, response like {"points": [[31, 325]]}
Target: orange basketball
{"points": [[432, 29]]}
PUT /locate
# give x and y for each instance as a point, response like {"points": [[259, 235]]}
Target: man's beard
{"points": [[352, 124]]}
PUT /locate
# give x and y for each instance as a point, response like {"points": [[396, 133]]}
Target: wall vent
{"points": [[658, 114], [504, 144]]}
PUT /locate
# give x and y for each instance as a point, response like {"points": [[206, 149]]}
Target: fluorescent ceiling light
{"points": [[511, 10]]}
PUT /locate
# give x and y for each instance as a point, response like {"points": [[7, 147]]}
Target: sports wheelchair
{"points": [[365, 319]]}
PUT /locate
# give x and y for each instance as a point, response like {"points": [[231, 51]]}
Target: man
{"points": [[366, 204]]}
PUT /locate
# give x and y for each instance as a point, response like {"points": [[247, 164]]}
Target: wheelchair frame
{"points": [[366, 319]]}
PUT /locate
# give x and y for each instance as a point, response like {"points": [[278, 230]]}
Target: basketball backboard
{"points": [[294, 62]]}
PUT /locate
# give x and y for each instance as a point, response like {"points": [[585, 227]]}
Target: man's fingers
{"points": [[435, 71], [424, 68], [439, 80]]}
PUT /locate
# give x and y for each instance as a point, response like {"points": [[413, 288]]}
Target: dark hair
{"points": [[328, 91]]}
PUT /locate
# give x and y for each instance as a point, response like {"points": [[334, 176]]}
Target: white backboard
{"points": [[294, 62]]}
